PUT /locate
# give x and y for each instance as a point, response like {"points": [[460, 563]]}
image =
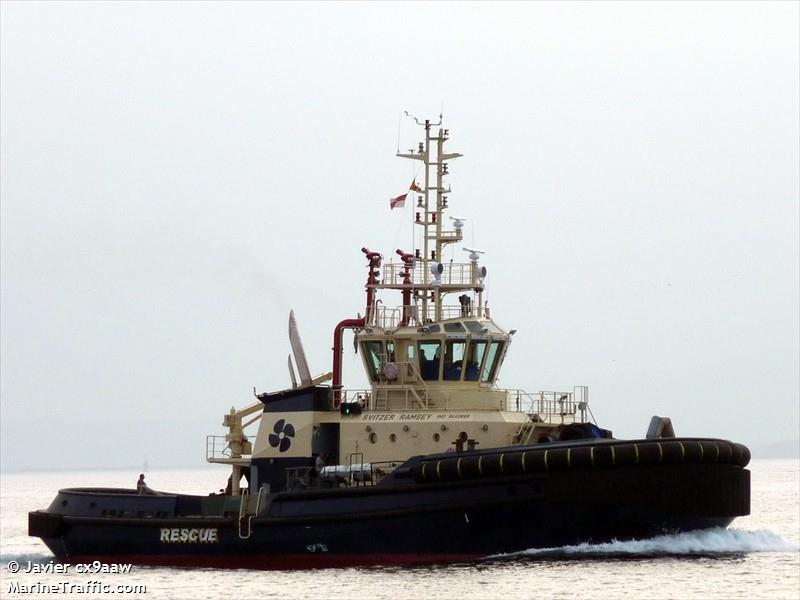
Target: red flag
{"points": [[398, 202], [414, 187]]}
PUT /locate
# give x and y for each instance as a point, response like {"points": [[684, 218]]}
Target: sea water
{"points": [[757, 557]]}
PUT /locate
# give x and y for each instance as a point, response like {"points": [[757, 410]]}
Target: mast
{"points": [[430, 214]]}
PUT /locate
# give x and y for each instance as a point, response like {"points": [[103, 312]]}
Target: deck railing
{"points": [[217, 447], [390, 318], [544, 406], [463, 274], [550, 405], [416, 397]]}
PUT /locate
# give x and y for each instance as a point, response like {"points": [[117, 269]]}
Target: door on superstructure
{"points": [[326, 441]]}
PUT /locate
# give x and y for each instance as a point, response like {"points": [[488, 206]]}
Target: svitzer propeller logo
{"points": [[281, 439]]}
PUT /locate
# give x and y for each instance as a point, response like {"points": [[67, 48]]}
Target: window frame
{"points": [[374, 371], [490, 376], [451, 342], [430, 342]]}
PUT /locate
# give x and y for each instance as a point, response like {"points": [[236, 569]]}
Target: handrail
{"points": [[243, 505], [420, 381], [408, 379], [464, 273], [258, 500], [354, 456], [523, 431], [548, 403], [544, 405], [391, 317], [217, 447], [362, 396]]}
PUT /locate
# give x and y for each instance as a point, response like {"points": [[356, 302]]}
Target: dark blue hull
{"points": [[409, 520]]}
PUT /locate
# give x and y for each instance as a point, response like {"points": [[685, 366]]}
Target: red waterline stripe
{"points": [[317, 560]]}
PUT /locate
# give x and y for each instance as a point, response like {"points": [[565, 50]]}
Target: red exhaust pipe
{"points": [[374, 259]]}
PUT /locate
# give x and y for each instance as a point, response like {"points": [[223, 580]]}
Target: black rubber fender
{"points": [[645, 453]]}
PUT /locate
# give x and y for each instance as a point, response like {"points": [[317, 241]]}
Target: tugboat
{"points": [[433, 463]]}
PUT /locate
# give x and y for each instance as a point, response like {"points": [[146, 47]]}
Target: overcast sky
{"points": [[176, 177]]}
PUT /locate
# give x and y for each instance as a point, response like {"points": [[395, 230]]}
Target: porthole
{"points": [[368, 428], [392, 437], [485, 427], [443, 428], [436, 437], [405, 427], [373, 437]]}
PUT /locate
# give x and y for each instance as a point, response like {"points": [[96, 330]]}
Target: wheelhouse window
{"points": [[472, 371], [475, 327], [453, 360], [493, 328], [429, 359], [411, 358], [373, 354], [490, 366]]}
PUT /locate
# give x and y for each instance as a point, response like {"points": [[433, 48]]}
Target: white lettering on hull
{"points": [[185, 535]]}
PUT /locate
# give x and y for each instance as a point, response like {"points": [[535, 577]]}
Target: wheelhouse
{"points": [[451, 352]]}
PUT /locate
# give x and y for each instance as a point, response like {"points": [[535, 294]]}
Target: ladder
{"points": [[245, 516], [524, 431]]}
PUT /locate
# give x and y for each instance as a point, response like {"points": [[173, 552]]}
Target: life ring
{"points": [[390, 371]]}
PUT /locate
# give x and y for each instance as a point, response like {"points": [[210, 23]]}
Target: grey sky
{"points": [[176, 177]]}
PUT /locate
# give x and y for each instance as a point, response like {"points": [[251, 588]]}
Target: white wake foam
{"points": [[706, 541]]}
